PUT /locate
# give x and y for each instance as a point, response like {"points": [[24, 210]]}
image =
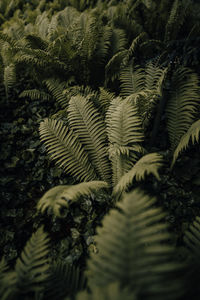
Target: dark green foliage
{"points": [[126, 75]]}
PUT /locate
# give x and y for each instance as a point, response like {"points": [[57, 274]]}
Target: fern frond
{"points": [[108, 292], [192, 237], [35, 95], [132, 80], [56, 88], [58, 198], [63, 147], [182, 104], [9, 77], [154, 78], [192, 134], [86, 122], [103, 45], [118, 41], [112, 69], [65, 280], [148, 164], [124, 126], [132, 250], [124, 129], [105, 98], [32, 267], [176, 18], [133, 48]]}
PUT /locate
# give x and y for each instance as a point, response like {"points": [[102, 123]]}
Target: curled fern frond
{"points": [[132, 250], [64, 147], [148, 164], [58, 198], [86, 122], [192, 134]]}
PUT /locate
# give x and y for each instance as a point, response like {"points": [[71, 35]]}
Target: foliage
{"points": [[126, 75]]}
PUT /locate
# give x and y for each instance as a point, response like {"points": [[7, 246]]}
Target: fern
{"points": [[182, 104], [35, 95], [176, 19], [9, 77], [108, 292], [56, 88], [58, 198], [64, 280], [192, 134], [125, 131], [64, 147], [133, 49], [31, 270], [112, 68], [88, 125], [132, 80], [132, 250], [148, 164], [192, 274], [105, 99]]}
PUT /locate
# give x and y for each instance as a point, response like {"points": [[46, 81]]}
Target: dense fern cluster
{"points": [[125, 78]]}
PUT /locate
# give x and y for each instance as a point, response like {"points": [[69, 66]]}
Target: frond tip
{"points": [[148, 164], [192, 134], [58, 198]]}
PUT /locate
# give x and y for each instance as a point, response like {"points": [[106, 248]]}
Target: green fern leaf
{"points": [[35, 94], [192, 134], [32, 267], [65, 280], [124, 125], [108, 292], [124, 129], [133, 48], [57, 88], [105, 99], [132, 80], [63, 147], [182, 104], [132, 250], [148, 164], [112, 69], [58, 198], [9, 78], [192, 237], [86, 122]]}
